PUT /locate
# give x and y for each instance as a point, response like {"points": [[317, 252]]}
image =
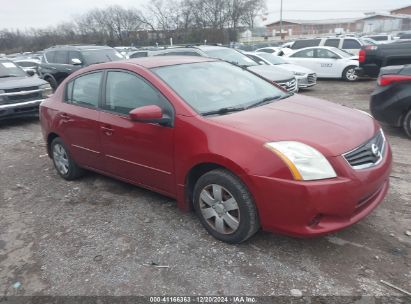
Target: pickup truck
{"points": [[373, 57]]}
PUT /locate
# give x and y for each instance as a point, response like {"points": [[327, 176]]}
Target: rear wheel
{"points": [[406, 124], [225, 206], [64, 164], [349, 73]]}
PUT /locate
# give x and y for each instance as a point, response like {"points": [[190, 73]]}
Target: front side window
{"points": [[212, 86], [84, 90], [332, 42], [61, 57], [125, 92], [304, 54], [351, 44]]}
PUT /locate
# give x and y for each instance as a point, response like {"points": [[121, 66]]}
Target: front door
{"points": [[142, 153]]}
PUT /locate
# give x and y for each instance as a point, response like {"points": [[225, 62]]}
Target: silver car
{"points": [[305, 77]]}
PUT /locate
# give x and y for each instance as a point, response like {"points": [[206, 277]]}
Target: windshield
{"points": [[101, 55], [10, 69], [272, 58], [230, 55], [212, 86]]}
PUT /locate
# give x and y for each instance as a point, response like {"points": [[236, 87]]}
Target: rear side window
{"points": [[267, 50], [332, 42], [61, 57], [26, 64], [84, 90], [304, 54], [50, 56], [351, 44], [299, 44], [125, 92]]}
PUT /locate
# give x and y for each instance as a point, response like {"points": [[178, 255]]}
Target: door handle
{"points": [[65, 117], [107, 130]]}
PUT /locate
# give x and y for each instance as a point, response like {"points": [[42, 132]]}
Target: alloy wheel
{"points": [[60, 159]]}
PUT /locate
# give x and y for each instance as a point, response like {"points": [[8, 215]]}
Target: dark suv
{"points": [[60, 61]]}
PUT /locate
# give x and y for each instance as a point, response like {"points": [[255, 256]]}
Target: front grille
{"points": [[288, 85], [15, 97], [311, 78], [20, 89], [368, 154]]}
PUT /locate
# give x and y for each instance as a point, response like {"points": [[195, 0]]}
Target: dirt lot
{"points": [[93, 236]]}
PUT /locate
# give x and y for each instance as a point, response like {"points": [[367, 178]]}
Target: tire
{"points": [[52, 82], [64, 164], [232, 219], [406, 123], [349, 74]]}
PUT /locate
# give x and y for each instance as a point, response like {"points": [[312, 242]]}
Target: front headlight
{"points": [[298, 74], [47, 90], [304, 162]]}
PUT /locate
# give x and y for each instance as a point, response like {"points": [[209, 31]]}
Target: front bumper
{"points": [[21, 109], [306, 81], [315, 208]]}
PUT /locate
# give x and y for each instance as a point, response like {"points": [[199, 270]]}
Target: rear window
{"points": [[139, 55], [332, 42], [299, 44], [379, 38], [100, 55]]}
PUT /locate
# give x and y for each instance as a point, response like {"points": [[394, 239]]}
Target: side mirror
{"points": [[30, 72], [150, 114], [76, 61]]}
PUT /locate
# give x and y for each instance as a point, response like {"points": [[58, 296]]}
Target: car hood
{"points": [[330, 128], [271, 72], [20, 82], [296, 68]]}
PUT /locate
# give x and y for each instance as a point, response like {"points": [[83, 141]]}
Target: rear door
{"points": [[78, 119], [142, 153]]}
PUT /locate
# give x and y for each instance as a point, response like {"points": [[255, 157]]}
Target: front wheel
{"points": [[349, 74], [225, 206], [406, 124], [64, 164]]}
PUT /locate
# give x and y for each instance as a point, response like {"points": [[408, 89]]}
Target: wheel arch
{"points": [[201, 168], [50, 137]]}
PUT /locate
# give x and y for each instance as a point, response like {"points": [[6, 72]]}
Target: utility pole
{"points": [[281, 20]]}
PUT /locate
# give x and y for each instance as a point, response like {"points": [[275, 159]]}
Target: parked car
{"points": [[349, 44], [391, 99], [326, 62], [373, 57], [220, 139], [381, 38], [20, 93], [275, 50], [60, 61], [305, 77], [282, 77], [28, 64]]}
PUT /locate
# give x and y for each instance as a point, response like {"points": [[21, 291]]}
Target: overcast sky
{"points": [[24, 14]]}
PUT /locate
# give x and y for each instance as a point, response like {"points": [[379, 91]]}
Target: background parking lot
{"points": [[99, 236]]}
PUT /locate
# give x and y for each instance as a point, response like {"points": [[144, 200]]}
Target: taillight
{"points": [[385, 80], [361, 56]]}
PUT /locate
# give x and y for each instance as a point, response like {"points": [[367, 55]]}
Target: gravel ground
{"points": [[97, 236]]}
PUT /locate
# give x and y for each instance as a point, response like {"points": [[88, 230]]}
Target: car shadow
{"points": [[16, 122]]}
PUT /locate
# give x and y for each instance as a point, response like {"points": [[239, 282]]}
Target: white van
{"points": [[349, 44]]}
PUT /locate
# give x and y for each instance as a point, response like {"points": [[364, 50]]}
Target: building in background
{"points": [[403, 10]]}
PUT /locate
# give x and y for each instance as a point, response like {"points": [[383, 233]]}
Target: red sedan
{"points": [[235, 147]]}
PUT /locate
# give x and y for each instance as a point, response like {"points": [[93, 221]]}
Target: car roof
{"points": [[79, 47], [159, 61]]}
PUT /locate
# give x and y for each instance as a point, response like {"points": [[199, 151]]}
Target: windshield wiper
{"points": [[5, 76], [223, 111], [266, 100]]}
